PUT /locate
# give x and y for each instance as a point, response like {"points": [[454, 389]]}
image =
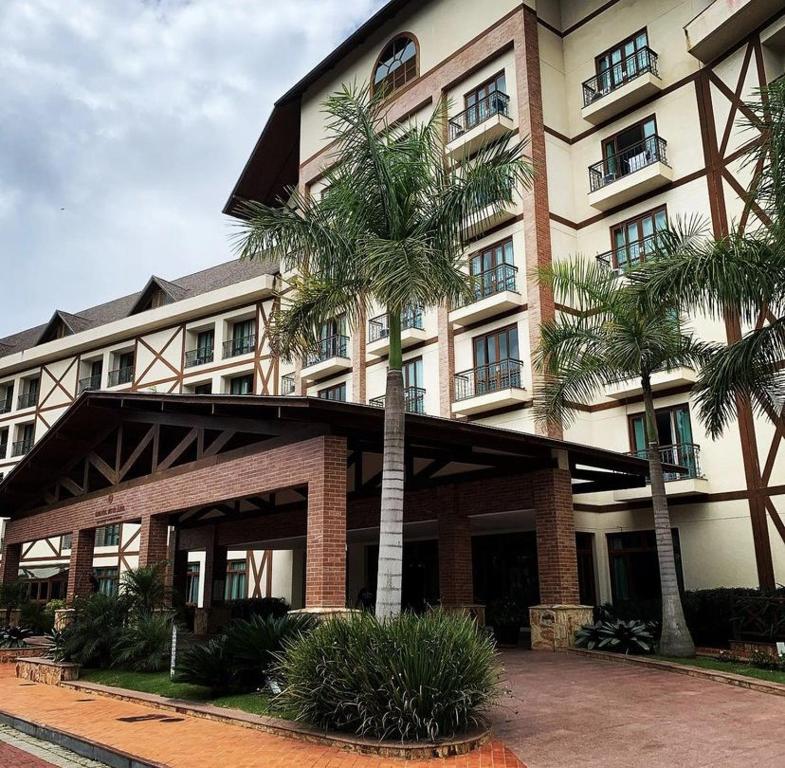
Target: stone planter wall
{"points": [[554, 626], [10, 655], [745, 648], [39, 670]]}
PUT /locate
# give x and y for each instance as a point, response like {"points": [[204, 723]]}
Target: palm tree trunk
{"points": [[388, 591], [675, 639]]}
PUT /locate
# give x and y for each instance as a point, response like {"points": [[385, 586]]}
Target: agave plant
{"points": [[145, 644], [14, 637], [210, 664]]}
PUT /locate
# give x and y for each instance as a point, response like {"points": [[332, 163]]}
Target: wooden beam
{"points": [[178, 450]]}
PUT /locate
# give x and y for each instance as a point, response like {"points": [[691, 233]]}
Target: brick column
{"points": [[456, 585], [325, 572], [358, 360], [9, 567], [446, 362], [176, 566], [153, 541], [80, 568]]}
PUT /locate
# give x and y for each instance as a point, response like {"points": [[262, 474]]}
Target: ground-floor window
{"points": [[192, 587], [107, 536], [584, 549], [107, 580], [634, 566], [236, 574], [45, 590]]}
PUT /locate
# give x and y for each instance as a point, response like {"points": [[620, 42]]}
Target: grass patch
{"points": [[735, 668], [160, 684]]}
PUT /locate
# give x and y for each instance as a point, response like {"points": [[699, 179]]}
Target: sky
{"points": [[124, 125]]}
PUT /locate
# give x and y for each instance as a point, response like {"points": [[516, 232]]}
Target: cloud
{"points": [[123, 127]]}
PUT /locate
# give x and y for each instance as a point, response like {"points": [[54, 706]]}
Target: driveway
{"points": [[569, 711]]}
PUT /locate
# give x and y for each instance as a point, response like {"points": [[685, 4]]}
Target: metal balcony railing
{"points": [[630, 255], [506, 374], [414, 400], [199, 356], [496, 103], [6, 405], [287, 384], [21, 447], [684, 454], [28, 399], [331, 346], [90, 383], [502, 277], [379, 327], [120, 376], [242, 345], [621, 73], [652, 149]]}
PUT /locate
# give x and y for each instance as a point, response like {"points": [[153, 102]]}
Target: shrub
{"points": [[629, 637], [145, 644], [409, 678], [13, 594], [262, 606], [98, 624], [144, 589], [14, 637], [588, 636], [210, 664], [36, 617]]}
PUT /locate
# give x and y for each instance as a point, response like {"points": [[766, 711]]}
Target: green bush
{"points": [[99, 621], [14, 637], [35, 617], [259, 606], [409, 678], [144, 589], [210, 664], [629, 637], [144, 645]]}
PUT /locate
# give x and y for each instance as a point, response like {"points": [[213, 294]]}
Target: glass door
{"points": [[496, 361], [489, 269], [633, 240]]}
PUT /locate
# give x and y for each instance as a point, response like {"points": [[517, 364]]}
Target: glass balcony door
{"points": [[492, 355], [634, 239], [622, 62], [480, 104]]}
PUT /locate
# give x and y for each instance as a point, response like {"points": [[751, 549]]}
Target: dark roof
{"points": [[362, 423], [72, 324], [210, 279], [275, 160]]}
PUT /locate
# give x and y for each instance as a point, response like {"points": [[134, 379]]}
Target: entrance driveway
{"points": [[567, 711]]}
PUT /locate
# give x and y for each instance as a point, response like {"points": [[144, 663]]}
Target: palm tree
{"points": [[389, 230], [737, 277], [614, 332]]}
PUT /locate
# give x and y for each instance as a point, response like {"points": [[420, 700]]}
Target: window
{"points": [[332, 342], [496, 363], [204, 389], [634, 238], [338, 392], [107, 580], [94, 370], [235, 580], [631, 149], [486, 100], [397, 65], [3, 442], [6, 397], [29, 396], [412, 373], [584, 549], [25, 437], [635, 573], [65, 542], [492, 269], [123, 372], [204, 352], [192, 584], [108, 536], [241, 385], [623, 62], [674, 433]]}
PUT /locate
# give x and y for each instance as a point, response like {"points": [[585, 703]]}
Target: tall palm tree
{"points": [[614, 332], [389, 230], [738, 277]]}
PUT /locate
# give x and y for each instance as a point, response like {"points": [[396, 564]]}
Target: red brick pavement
{"points": [[11, 757]]}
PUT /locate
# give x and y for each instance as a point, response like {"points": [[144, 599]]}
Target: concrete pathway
{"points": [[567, 711], [18, 750], [188, 742]]}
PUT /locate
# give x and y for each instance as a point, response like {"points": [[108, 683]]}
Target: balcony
{"points": [[723, 23], [6, 405], [288, 386], [660, 381], [28, 399], [330, 357], [3, 450], [483, 123], [120, 376], [627, 82], [242, 345], [630, 173], [21, 447], [414, 400], [89, 383], [200, 356], [686, 455], [619, 260], [412, 331], [489, 387], [495, 291]]}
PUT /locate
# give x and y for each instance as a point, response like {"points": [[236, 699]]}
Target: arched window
{"points": [[397, 65]]}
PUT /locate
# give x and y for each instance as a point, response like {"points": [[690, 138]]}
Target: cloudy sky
{"points": [[123, 127]]}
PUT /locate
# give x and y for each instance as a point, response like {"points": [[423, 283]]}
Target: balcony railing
{"points": [[653, 149], [242, 345], [331, 346], [199, 356], [506, 374], [28, 399], [287, 384], [502, 277], [6, 405], [90, 383], [621, 73], [414, 400], [379, 327], [21, 447], [497, 103], [630, 255], [684, 454], [120, 376]]}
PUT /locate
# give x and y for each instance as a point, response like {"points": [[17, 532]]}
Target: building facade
{"points": [[632, 112]]}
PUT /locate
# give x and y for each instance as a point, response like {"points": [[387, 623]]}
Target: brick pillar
{"points": [[153, 541], [446, 362], [456, 586], [9, 567], [358, 360], [325, 571], [176, 566], [555, 621], [80, 568]]}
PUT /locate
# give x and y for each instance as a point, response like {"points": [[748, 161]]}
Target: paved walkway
{"points": [[187, 742], [18, 750], [568, 711]]}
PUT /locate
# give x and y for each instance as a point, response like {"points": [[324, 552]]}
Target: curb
{"points": [[101, 753], [289, 729], [729, 678]]}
